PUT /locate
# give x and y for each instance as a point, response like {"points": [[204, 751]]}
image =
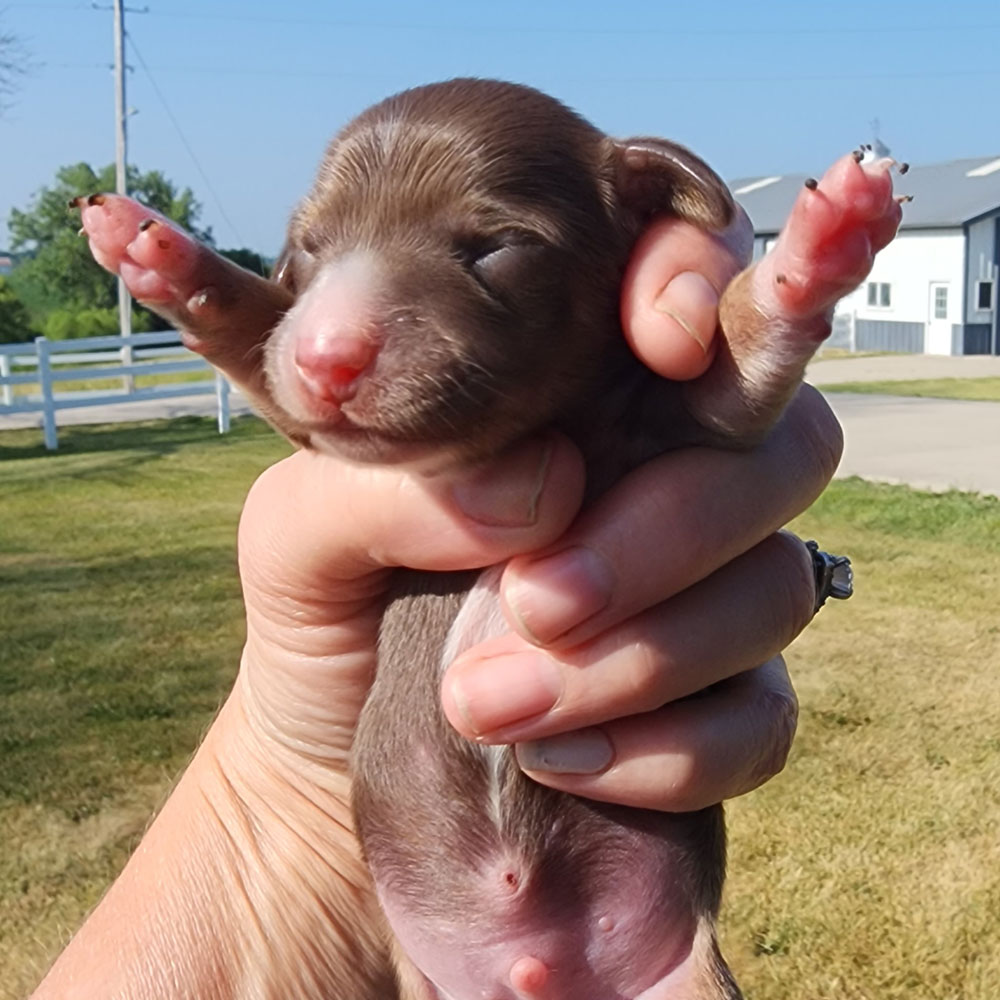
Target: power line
{"points": [[735, 78], [187, 145]]}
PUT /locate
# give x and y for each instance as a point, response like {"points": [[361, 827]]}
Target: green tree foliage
{"points": [[60, 274], [71, 324], [249, 259], [15, 324]]}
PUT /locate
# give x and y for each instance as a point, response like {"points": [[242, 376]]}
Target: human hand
{"points": [[676, 582]]}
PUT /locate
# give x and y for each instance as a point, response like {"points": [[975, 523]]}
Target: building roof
{"points": [[944, 194]]}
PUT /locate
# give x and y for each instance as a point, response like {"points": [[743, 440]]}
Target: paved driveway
{"points": [[933, 444]]}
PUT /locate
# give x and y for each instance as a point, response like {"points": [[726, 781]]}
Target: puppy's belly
{"points": [[513, 890]]}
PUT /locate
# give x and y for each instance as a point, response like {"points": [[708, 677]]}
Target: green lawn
{"points": [[987, 388], [120, 631], [870, 870]]}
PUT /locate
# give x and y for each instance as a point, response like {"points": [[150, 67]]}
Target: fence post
{"points": [[222, 396], [48, 403], [8, 394]]}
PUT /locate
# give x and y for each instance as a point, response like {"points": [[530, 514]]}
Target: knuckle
{"points": [[684, 785], [778, 711], [794, 590], [642, 676]]}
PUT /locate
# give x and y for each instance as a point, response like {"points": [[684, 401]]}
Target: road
{"points": [[935, 444]]}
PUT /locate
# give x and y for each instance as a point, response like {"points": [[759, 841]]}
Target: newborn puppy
{"points": [[453, 281]]}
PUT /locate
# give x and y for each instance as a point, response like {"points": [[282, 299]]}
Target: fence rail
{"points": [[48, 364]]}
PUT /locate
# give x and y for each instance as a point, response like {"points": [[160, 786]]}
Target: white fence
{"points": [[48, 364]]}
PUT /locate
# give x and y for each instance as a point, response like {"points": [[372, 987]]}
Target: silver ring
{"points": [[833, 575]]}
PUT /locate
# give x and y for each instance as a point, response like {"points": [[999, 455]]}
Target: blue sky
{"points": [[257, 87]]}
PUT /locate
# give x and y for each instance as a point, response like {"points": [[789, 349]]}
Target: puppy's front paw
{"points": [[835, 229]]}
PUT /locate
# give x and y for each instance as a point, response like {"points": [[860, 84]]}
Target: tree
{"points": [[59, 273], [15, 326], [249, 259]]}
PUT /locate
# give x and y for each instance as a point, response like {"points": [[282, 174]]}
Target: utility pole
{"points": [[121, 185]]}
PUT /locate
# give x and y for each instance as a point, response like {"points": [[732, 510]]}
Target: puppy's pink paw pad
{"points": [[155, 259], [828, 245]]}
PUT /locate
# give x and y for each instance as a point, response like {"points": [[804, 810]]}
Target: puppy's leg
{"points": [[223, 311], [775, 314]]}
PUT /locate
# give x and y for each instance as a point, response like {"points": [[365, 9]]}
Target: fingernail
{"points": [[692, 302], [496, 693], [554, 594], [505, 492], [586, 751]]}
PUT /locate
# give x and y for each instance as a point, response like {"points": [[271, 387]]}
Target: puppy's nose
{"points": [[331, 367]]}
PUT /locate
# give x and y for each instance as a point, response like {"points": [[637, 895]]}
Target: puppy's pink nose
{"points": [[330, 367]]}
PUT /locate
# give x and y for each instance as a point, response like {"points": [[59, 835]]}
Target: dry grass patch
{"points": [[870, 870]]}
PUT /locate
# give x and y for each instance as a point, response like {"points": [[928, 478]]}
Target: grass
{"points": [[869, 869], [987, 388], [120, 631]]}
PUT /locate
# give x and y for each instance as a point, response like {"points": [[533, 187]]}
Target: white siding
{"points": [[909, 264]]}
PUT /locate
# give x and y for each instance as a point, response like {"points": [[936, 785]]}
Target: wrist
{"points": [[304, 919], [248, 883]]}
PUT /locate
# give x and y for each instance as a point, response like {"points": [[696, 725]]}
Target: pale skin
{"points": [[249, 882]]}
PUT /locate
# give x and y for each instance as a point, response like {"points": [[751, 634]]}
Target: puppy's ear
{"points": [[657, 177]]}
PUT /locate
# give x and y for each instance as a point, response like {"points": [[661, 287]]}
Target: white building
{"points": [[933, 290]]}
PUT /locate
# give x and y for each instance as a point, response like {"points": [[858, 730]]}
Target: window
{"points": [[879, 294], [984, 294], [941, 302]]}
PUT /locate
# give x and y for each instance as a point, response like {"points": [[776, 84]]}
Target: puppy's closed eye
{"points": [[504, 262]]}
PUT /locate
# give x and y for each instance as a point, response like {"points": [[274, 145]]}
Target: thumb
{"points": [[671, 291], [315, 525]]}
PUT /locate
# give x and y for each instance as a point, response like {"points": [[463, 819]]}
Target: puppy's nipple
{"points": [[528, 976], [329, 368]]}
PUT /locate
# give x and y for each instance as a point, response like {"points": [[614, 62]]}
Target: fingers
{"points": [[317, 526], [509, 691], [687, 755], [671, 290], [668, 525]]}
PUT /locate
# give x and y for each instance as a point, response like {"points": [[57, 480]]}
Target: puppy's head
{"points": [[456, 268]]}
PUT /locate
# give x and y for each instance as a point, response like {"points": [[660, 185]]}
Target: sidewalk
{"points": [[166, 409]]}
